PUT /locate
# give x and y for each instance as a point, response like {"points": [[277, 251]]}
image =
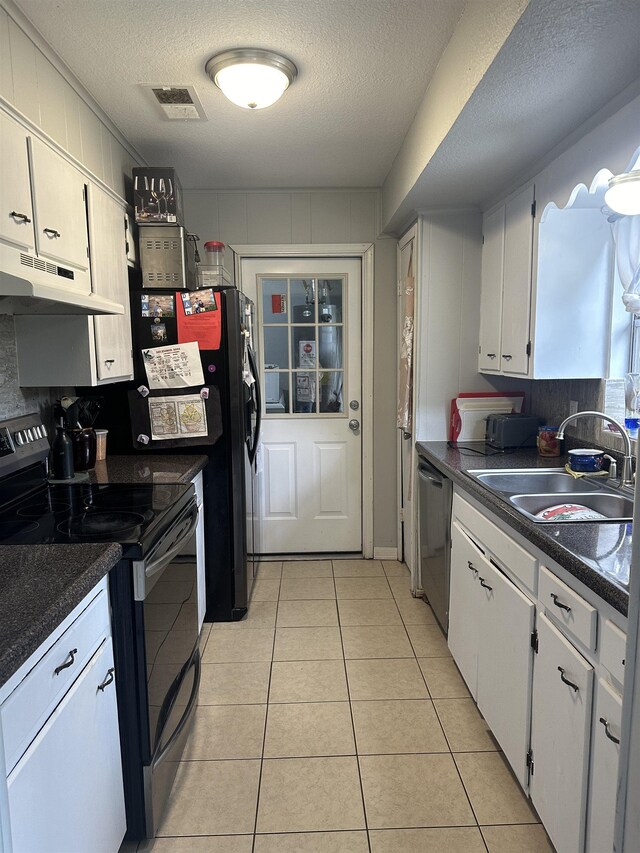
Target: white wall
{"points": [[325, 216], [447, 322]]}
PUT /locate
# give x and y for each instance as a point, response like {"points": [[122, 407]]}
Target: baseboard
{"points": [[385, 553]]}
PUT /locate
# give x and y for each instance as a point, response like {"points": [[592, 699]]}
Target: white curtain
{"points": [[626, 235], [405, 381]]}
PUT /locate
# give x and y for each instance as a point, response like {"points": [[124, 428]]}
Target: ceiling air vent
{"points": [[177, 103]]}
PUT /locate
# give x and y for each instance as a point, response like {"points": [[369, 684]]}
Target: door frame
{"points": [[363, 251]]}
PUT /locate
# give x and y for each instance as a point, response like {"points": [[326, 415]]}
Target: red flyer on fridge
{"points": [[199, 318]]}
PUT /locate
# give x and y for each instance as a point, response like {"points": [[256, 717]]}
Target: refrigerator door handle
{"points": [[253, 448]]}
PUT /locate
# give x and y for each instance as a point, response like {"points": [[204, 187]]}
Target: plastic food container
{"points": [[214, 253], [585, 459], [548, 444], [101, 444], [569, 512]]}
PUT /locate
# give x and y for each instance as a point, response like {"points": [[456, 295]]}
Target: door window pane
{"points": [[304, 401], [303, 344], [330, 347], [276, 393], [303, 300], [330, 300], [274, 301], [276, 347], [330, 397]]}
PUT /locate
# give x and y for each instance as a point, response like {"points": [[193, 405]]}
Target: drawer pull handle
{"points": [[485, 585], [71, 660], [21, 216], [605, 723], [507, 357], [566, 680], [109, 361], [559, 603], [51, 232], [491, 355], [472, 567], [108, 680]]}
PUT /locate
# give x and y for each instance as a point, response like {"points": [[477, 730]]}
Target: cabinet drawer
{"points": [[514, 558], [568, 609], [613, 650], [23, 713]]}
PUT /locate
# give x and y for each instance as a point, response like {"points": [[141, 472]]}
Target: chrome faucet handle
{"points": [[613, 467]]}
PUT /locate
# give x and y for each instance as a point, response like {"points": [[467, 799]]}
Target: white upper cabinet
{"points": [[85, 350], [491, 304], [110, 278], [59, 207], [506, 286], [16, 213], [555, 313]]}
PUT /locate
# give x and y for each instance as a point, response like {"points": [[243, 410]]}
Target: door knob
{"points": [[354, 425]]}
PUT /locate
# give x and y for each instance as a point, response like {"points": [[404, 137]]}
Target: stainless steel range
{"points": [[153, 592]]}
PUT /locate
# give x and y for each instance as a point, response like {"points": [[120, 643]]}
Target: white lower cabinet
{"points": [[61, 784], [561, 742], [505, 660], [485, 608], [464, 625], [560, 730], [605, 754], [65, 793]]}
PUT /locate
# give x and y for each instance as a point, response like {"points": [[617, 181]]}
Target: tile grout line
{"points": [[266, 720], [353, 725]]}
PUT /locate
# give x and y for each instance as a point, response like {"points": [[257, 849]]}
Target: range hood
{"points": [[30, 295]]}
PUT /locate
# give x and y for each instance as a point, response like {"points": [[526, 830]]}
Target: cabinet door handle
{"points": [[559, 603], [52, 232], [109, 361], [21, 216], [108, 680], [566, 680], [605, 723], [472, 567], [507, 357], [485, 585], [71, 660], [491, 355]]}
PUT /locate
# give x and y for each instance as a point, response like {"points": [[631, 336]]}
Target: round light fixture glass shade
{"points": [[251, 78], [623, 195]]}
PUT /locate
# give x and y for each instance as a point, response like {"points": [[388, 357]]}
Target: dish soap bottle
{"points": [[62, 456]]}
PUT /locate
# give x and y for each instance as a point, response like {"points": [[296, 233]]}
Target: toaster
{"points": [[512, 430]]}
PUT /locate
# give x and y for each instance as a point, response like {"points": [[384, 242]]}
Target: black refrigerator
{"points": [[233, 408]]}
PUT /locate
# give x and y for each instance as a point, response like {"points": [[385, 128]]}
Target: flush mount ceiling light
{"points": [[251, 78], [623, 195]]}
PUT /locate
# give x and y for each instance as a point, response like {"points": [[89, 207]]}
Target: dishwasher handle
{"points": [[424, 474]]}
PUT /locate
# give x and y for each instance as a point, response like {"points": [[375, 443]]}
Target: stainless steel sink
{"points": [[532, 490], [613, 507], [518, 482]]}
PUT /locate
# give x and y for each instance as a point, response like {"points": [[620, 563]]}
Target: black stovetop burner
{"points": [[127, 514]]}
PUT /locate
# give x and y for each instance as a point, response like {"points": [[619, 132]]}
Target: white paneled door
{"points": [[310, 460]]}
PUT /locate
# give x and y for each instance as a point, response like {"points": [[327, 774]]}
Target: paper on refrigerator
{"points": [[174, 366], [177, 417]]}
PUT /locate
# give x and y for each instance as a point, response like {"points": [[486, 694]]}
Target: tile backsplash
{"points": [[550, 399], [14, 400]]}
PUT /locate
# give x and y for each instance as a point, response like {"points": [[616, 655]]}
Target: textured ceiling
{"points": [[564, 60], [363, 65]]}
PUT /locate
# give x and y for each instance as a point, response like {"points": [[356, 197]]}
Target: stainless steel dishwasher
{"points": [[436, 492]]}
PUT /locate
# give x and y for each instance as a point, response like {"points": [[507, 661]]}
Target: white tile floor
{"points": [[333, 720]]}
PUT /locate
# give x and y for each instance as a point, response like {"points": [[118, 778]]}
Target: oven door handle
{"points": [[158, 564], [184, 719]]}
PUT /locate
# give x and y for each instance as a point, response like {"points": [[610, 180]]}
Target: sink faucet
{"points": [[626, 478]]}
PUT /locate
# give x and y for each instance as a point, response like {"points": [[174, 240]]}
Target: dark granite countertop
{"points": [[593, 553], [39, 586], [149, 468]]}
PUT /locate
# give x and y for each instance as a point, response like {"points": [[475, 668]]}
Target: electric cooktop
{"points": [[125, 514]]}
